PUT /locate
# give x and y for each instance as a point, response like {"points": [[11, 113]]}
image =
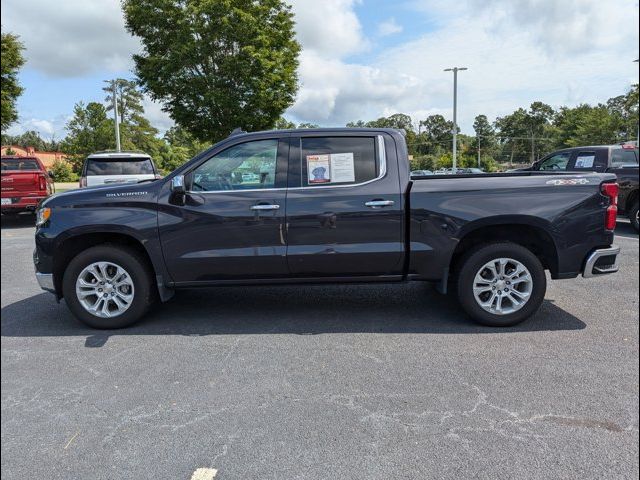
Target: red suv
{"points": [[25, 183]]}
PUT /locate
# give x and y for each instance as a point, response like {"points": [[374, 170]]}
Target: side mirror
{"points": [[177, 184], [178, 190], [51, 174]]}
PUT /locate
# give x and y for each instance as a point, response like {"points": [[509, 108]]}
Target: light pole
{"points": [[114, 98], [455, 71], [638, 137]]}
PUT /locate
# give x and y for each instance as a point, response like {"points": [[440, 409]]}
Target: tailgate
{"points": [[16, 181]]}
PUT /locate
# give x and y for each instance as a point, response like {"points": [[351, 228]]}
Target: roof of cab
{"points": [[238, 132], [116, 155]]}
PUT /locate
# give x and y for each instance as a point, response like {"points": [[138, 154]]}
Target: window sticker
{"points": [[342, 168], [585, 161], [318, 169], [333, 168]]}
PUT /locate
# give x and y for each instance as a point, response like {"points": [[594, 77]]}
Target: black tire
{"points": [[136, 267], [633, 216], [472, 263]]}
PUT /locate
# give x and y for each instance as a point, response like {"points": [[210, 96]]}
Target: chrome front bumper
{"points": [[601, 262], [45, 280]]}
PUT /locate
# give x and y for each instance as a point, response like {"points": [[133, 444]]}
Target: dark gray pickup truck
{"points": [[319, 206], [621, 160]]}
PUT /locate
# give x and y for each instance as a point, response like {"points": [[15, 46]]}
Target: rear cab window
{"points": [[336, 161], [119, 166], [624, 156], [19, 164]]}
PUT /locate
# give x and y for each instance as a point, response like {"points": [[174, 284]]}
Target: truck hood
{"points": [[145, 191]]}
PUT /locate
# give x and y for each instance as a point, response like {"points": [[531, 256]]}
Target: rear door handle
{"points": [[265, 207], [379, 203]]}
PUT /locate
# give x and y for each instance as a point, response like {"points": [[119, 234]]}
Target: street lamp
{"points": [[114, 100], [638, 138], [455, 71]]}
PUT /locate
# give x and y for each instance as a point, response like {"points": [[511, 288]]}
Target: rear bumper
{"points": [[601, 261], [22, 204]]}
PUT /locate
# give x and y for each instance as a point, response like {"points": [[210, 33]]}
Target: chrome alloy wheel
{"points": [[105, 289], [502, 286]]}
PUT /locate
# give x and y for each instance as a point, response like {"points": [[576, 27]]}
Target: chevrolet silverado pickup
{"points": [[25, 183], [320, 206], [622, 160]]}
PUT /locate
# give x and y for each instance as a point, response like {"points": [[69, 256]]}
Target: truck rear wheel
{"points": [[501, 284], [633, 216], [108, 286]]}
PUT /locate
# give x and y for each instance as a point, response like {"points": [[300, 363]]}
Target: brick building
{"points": [[47, 158]]}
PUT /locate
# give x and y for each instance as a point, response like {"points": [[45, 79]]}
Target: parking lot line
{"points": [[204, 474]]}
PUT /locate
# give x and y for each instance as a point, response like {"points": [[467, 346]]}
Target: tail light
{"points": [[43, 182], [610, 190], [83, 182]]}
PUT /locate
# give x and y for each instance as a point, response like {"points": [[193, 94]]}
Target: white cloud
{"points": [[70, 38], [46, 128], [333, 92], [389, 27], [154, 113], [510, 66], [329, 27], [567, 27]]}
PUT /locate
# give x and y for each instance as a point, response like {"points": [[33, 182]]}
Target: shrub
{"points": [[63, 172]]}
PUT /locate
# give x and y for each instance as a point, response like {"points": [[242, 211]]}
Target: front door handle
{"points": [[379, 203], [265, 207]]}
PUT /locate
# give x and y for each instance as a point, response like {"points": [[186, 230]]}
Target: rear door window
{"points": [[333, 161], [120, 166], [623, 156], [585, 160]]}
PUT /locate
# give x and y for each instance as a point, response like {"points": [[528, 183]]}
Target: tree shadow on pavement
{"points": [[413, 308], [21, 220]]}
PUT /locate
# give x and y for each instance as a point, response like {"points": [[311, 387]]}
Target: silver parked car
{"points": [[108, 168]]}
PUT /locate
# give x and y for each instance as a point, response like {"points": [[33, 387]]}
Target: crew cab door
{"points": [[344, 207], [231, 226]]}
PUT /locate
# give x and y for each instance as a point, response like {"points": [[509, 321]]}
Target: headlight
{"points": [[42, 215]]}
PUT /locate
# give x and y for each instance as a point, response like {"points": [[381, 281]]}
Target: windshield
{"points": [[120, 166], [20, 164]]}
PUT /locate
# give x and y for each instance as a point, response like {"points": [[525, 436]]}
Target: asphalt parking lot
{"points": [[349, 382]]}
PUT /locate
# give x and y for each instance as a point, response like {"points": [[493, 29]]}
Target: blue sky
{"points": [[361, 59]]}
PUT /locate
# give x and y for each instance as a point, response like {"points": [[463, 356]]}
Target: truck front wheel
{"points": [[108, 286], [501, 284]]}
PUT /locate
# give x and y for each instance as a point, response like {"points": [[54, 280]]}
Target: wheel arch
{"points": [[531, 233], [74, 243]]}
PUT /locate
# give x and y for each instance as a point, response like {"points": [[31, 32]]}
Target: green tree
{"points": [[308, 125], [436, 133], [30, 138], [129, 98], [624, 110], [89, 131], [177, 136], [283, 124], [11, 61], [216, 64], [485, 139]]}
